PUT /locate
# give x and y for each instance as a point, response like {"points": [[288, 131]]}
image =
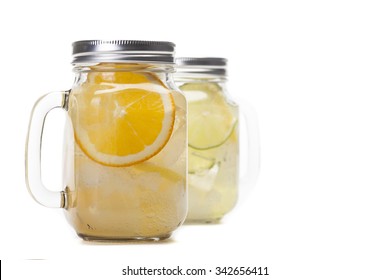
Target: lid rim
{"points": [[201, 61], [201, 65], [86, 51]]}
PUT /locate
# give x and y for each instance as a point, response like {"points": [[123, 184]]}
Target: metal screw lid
{"points": [[201, 65], [98, 51]]}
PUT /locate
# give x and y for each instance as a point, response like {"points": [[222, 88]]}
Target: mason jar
{"points": [[125, 160], [213, 138]]}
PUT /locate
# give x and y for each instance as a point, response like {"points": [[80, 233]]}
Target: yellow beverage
{"points": [[127, 144], [213, 151]]}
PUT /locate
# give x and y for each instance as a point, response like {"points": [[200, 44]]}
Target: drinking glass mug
{"points": [[213, 139], [125, 160]]}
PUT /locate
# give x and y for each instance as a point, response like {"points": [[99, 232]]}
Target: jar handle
{"points": [[34, 183], [249, 178]]}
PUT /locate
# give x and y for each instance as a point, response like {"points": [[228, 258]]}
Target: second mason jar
{"points": [[213, 144]]}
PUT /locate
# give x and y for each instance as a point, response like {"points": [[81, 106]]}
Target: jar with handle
{"points": [[125, 157], [214, 139]]}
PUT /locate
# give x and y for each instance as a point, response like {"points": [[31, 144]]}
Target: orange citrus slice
{"points": [[122, 118]]}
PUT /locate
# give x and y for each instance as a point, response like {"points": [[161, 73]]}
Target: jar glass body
{"points": [[213, 147], [125, 152]]}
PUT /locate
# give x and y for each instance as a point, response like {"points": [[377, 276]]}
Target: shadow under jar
{"points": [[125, 143]]}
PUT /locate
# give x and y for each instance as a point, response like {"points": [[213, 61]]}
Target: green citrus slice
{"points": [[198, 162], [211, 119]]}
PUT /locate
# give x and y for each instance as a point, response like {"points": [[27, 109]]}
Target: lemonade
{"points": [[212, 141], [129, 155]]}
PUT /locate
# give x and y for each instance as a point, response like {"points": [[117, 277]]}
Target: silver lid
{"points": [[98, 51], [201, 65]]}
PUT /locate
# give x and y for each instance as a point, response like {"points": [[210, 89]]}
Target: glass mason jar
{"points": [[125, 143], [213, 140]]}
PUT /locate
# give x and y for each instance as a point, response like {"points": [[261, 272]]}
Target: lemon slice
{"points": [[121, 118], [211, 120]]}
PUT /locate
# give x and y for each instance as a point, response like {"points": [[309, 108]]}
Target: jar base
{"points": [[109, 239], [203, 221]]}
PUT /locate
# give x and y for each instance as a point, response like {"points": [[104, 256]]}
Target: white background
{"points": [[318, 74]]}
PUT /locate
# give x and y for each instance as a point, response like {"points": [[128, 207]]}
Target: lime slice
{"points": [[198, 162], [211, 119], [204, 180]]}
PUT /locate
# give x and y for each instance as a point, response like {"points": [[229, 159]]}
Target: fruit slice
{"points": [[198, 162], [121, 118], [203, 180], [211, 120]]}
